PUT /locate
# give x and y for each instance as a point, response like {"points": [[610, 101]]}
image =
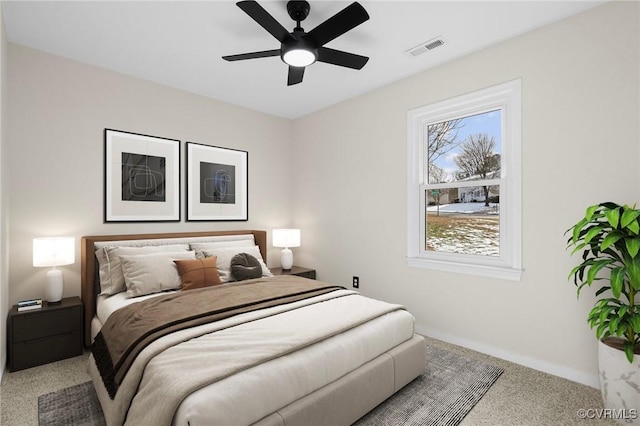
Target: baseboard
{"points": [[546, 367]]}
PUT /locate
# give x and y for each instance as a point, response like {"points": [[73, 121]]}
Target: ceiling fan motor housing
{"points": [[301, 45], [298, 10]]}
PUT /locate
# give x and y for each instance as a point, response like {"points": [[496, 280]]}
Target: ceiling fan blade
{"points": [[252, 55], [268, 22], [343, 21], [295, 75], [343, 59]]}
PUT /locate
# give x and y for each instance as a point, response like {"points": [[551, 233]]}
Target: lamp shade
{"points": [[286, 238], [55, 251]]}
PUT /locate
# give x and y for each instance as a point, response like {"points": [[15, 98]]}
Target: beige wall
{"points": [[581, 140], [58, 110]]}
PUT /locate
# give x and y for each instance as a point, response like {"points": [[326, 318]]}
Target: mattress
{"points": [[232, 400]]}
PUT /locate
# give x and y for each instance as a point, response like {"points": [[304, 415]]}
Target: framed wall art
{"points": [[217, 183], [141, 178]]}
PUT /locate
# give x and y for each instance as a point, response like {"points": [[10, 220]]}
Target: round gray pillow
{"points": [[244, 267]]}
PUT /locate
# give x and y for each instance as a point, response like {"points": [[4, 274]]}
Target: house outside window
{"points": [[464, 184]]}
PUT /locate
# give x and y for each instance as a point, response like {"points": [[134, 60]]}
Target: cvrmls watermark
{"points": [[607, 413]]}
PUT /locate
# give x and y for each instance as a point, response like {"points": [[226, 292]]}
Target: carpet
{"points": [[443, 395]]}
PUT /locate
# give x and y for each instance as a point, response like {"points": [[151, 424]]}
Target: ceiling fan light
{"points": [[299, 57]]}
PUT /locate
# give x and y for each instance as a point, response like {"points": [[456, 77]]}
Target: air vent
{"points": [[426, 46], [432, 45]]}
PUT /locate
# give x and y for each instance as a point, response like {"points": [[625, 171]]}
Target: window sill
{"points": [[491, 271]]}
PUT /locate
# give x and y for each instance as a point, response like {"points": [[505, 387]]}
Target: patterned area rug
{"points": [[443, 395], [77, 406]]}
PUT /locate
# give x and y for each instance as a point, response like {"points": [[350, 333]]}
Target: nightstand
{"points": [[295, 270], [44, 335]]}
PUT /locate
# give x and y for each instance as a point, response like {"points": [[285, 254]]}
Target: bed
{"points": [[282, 350]]}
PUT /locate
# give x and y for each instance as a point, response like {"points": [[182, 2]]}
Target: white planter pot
{"points": [[619, 384]]}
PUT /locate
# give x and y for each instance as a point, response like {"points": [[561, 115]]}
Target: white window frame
{"points": [[508, 265]]}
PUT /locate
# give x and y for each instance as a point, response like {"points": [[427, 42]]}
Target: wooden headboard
{"points": [[88, 260]]}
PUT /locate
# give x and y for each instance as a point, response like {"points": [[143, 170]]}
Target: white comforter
{"points": [[231, 374]]}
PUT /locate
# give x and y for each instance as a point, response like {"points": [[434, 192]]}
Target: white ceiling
{"points": [[180, 43]]}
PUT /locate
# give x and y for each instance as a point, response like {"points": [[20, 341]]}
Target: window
{"points": [[464, 184]]}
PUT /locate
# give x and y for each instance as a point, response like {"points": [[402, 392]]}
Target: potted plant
{"points": [[608, 237]]}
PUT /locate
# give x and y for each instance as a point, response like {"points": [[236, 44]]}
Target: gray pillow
{"points": [[245, 267]]}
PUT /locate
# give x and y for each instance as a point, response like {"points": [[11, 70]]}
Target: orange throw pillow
{"points": [[198, 273]]}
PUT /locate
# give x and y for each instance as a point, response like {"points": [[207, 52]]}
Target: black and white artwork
{"points": [[142, 178], [217, 183]]}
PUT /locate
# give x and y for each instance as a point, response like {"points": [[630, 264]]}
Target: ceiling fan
{"points": [[299, 49]]}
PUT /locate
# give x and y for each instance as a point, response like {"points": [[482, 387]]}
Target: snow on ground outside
{"points": [[466, 228], [465, 208]]}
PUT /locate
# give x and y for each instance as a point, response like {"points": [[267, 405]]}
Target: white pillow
{"points": [[111, 277], [153, 272], [225, 254], [200, 248]]}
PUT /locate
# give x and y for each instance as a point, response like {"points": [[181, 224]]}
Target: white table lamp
{"points": [[56, 251], [286, 238]]}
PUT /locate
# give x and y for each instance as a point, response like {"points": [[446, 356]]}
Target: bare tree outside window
{"points": [[478, 160], [443, 138]]}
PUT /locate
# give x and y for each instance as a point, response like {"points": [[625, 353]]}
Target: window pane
{"points": [[459, 220], [465, 149]]}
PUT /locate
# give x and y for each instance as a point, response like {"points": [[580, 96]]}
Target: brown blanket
{"points": [[130, 329]]}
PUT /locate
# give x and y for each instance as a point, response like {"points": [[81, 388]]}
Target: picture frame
{"points": [[217, 183], [141, 177]]}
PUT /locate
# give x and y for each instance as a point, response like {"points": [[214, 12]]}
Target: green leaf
{"points": [[628, 350], [613, 217], [600, 330], [633, 246], [617, 281], [634, 227], [633, 272], [577, 228], [623, 310], [593, 232], [610, 239], [573, 272], [590, 211], [578, 248], [595, 268], [613, 326], [628, 215], [604, 314], [634, 322], [594, 316]]}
